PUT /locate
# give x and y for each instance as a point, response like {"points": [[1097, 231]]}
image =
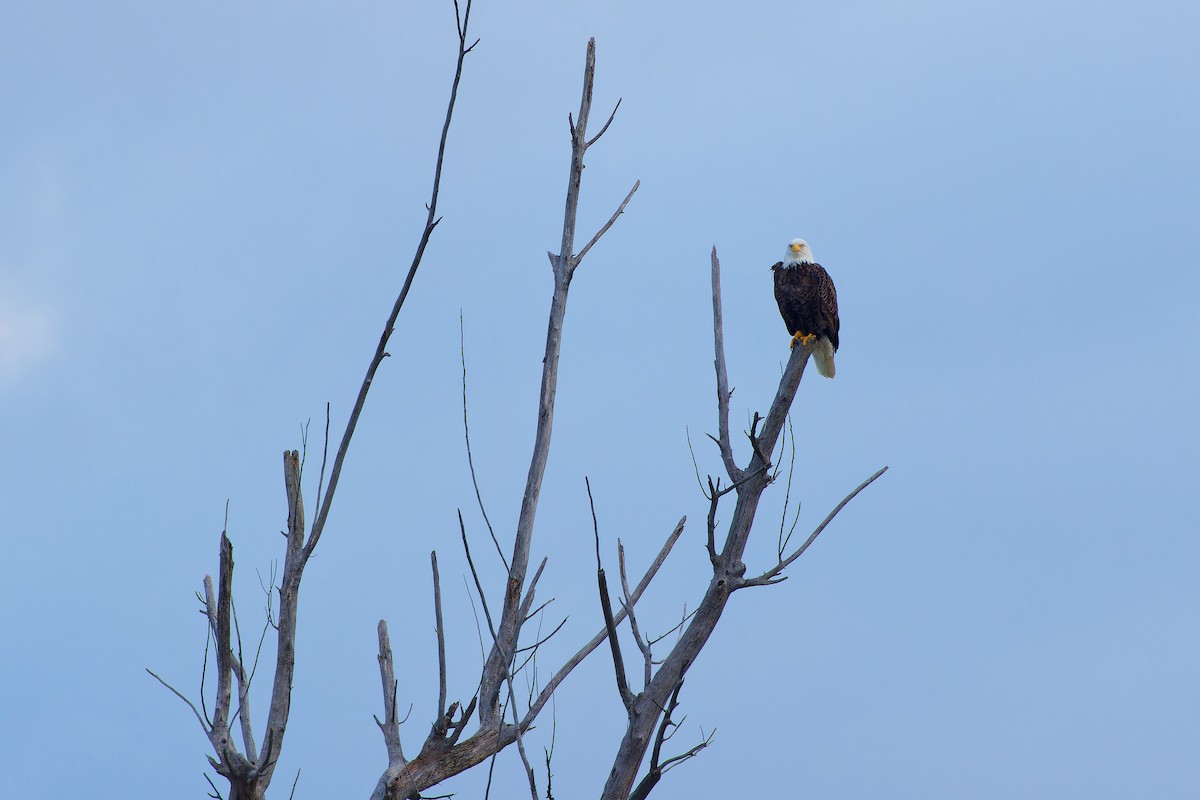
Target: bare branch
{"points": [[679, 759], [215, 793], [204, 668], [787, 496], [431, 222], [764, 458], [289, 597], [530, 592], [535, 611], [695, 464], [666, 730], [512, 703], [772, 575], [324, 458], [458, 22], [563, 264], [609, 625], [575, 660], [549, 751], [224, 656], [262, 638], [461, 725], [642, 644], [747, 476], [723, 391], [620, 210], [728, 571], [714, 499], [390, 727], [243, 681], [182, 697], [683, 621], [441, 636], [604, 128], [462, 351], [542, 640], [474, 574]]}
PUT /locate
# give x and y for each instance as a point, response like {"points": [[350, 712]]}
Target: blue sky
{"points": [[206, 214]]}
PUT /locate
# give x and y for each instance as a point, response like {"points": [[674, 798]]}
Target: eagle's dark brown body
{"points": [[807, 300]]}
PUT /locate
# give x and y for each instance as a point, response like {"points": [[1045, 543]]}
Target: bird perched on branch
{"points": [[808, 302]]}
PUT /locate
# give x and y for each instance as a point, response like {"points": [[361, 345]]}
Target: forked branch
{"points": [[564, 265], [728, 569], [390, 726]]}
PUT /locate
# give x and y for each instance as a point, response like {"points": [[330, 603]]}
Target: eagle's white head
{"points": [[798, 252]]}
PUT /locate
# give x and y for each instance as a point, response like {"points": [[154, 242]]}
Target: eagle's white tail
{"points": [[823, 354]]}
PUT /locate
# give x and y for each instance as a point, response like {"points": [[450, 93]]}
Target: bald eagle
{"points": [[808, 303]]}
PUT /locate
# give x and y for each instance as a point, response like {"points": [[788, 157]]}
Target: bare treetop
{"points": [[456, 739]]}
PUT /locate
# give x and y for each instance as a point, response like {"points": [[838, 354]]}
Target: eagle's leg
{"points": [[803, 338]]}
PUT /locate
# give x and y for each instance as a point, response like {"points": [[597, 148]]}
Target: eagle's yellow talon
{"points": [[803, 338]]}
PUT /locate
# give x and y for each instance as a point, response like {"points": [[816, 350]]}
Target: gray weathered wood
{"points": [[728, 576], [563, 264]]}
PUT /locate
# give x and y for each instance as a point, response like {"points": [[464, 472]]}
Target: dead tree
{"points": [[661, 691], [445, 750]]}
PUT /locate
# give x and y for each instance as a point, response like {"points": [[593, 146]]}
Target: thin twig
{"points": [[542, 640], [596, 640], [215, 793], [535, 611], [770, 576], [604, 128], [666, 730], [263, 636], [787, 495], [462, 352], [204, 672], [512, 702], [683, 621], [182, 697], [475, 575], [530, 593], [549, 751], [695, 465], [324, 452], [603, 230]]}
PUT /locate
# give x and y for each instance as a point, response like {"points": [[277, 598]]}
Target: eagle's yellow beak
{"points": [[795, 248]]}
